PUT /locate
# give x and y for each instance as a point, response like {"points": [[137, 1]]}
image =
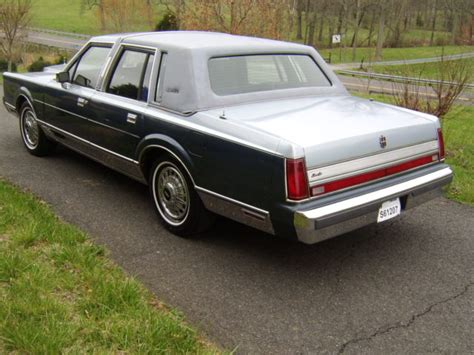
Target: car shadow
{"points": [[227, 236]]}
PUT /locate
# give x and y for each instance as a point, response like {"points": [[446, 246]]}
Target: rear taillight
{"points": [[370, 176], [442, 153], [296, 179]]}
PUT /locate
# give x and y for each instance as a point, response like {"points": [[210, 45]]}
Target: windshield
{"points": [[252, 73]]}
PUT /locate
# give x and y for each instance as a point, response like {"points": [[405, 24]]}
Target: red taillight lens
{"points": [[442, 153], [296, 179], [373, 175]]}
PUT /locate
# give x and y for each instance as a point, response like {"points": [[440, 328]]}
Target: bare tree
{"points": [[265, 18], [437, 99], [120, 15], [14, 18], [381, 31]]}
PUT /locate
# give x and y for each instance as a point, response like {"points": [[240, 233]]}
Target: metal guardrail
{"points": [[59, 33], [398, 78]]}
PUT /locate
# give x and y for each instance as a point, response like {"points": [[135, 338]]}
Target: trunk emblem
{"points": [[383, 141]]}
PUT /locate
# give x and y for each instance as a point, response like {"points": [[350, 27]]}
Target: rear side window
{"points": [[131, 77], [252, 73], [87, 70]]}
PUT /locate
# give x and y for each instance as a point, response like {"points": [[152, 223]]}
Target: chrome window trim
{"points": [[369, 163], [88, 119], [114, 59], [86, 141], [159, 79], [84, 49]]}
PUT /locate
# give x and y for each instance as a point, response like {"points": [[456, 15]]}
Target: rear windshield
{"points": [[252, 73]]}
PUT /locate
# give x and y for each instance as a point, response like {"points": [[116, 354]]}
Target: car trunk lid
{"points": [[337, 129]]}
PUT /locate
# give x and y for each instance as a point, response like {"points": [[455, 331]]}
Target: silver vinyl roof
{"points": [[186, 79]]}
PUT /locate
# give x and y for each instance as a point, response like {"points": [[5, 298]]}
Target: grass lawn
{"points": [[67, 15], [59, 293], [64, 15], [425, 70], [393, 53], [458, 130]]}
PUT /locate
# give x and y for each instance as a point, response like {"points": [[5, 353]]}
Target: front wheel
{"points": [[178, 205], [33, 137]]}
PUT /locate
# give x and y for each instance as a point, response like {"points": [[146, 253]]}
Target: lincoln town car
{"points": [[255, 130]]}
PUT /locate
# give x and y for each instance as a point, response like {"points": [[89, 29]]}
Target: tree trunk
{"points": [[321, 26], [299, 14], [312, 27], [356, 30], [454, 31], [371, 29], [433, 22], [381, 34], [471, 30]]}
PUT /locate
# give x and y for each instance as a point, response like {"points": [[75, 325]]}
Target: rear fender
{"points": [[152, 146]]}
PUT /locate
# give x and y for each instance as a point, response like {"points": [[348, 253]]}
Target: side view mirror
{"points": [[62, 77]]}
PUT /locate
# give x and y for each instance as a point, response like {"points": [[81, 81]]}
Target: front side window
{"points": [[131, 76], [87, 70], [252, 73]]}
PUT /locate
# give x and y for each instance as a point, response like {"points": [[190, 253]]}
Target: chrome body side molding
{"points": [[236, 210], [95, 152]]}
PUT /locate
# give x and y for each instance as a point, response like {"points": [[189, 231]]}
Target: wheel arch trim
{"points": [[170, 146], [24, 93]]}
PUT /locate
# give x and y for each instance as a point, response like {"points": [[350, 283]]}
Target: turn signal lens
{"points": [[442, 153], [296, 179]]}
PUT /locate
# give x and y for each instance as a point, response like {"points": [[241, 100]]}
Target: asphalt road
{"points": [[56, 40], [405, 286], [375, 86], [406, 61]]}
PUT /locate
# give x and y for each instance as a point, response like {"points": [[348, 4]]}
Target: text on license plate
{"points": [[389, 210]]}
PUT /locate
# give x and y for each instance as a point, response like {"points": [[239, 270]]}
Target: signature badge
{"points": [[383, 141]]}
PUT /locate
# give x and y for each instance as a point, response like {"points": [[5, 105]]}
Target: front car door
{"points": [[67, 104]]}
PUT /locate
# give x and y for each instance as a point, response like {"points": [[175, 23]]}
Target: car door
{"points": [[119, 108], [67, 104]]}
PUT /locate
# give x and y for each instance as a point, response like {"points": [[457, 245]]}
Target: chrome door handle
{"points": [[132, 118], [81, 102]]}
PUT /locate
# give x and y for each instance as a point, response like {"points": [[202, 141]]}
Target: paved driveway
{"points": [[406, 286]]}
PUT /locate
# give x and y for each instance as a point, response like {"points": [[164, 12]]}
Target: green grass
{"points": [[393, 53], [458, 130], [425, 70], [59, 293], [64, 15], [67, 15], [458, 127]]}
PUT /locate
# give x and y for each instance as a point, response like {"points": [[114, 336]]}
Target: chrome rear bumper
{"points": [[328, 221]]}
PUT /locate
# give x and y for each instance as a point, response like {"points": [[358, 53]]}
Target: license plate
{"points": [[388, 210]]}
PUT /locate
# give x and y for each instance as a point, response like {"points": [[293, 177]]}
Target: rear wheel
{"points": [[178, 205], [33, 137]]}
